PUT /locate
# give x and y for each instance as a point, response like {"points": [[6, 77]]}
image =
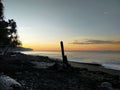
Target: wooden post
{"points": [[62, 49], [64, 57]]}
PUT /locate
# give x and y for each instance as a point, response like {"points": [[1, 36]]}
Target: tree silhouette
{"points": [[1, 9], [8, 31]]}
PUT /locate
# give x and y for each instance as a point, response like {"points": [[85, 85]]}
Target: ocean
{"points": [[108, 59]]}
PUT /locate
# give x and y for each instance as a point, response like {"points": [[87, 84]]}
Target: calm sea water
{"points": [[109, 59]]}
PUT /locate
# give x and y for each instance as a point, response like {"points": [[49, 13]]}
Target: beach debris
{"points": [[55, 66], [64, 57], [7, 83], [41, 64], [107, 86]]}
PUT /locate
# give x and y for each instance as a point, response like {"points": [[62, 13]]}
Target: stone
{"points": [[107, 86]]}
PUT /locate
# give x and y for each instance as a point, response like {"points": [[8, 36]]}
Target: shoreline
{"points": [[42, 73], [95, 67], [89, 66], [108, 61]]}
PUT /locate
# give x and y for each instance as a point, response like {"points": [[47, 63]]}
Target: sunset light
{"points": [[59, 44], [46, 22]]}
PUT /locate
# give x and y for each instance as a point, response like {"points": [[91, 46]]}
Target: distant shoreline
{"points": [[20, 49]]}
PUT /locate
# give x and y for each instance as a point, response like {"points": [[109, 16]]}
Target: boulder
{"points": [[106, 86], [7, 83]]}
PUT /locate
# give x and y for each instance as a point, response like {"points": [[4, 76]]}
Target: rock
{"points": [[7, 83], [106, 86]]}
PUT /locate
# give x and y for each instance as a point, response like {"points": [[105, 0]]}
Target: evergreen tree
{"points": [[8, 31], [1, 10]]}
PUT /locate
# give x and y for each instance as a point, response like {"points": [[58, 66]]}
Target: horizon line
{"points": [[78, 50]]}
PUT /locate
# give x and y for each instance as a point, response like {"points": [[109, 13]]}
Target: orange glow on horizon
{"points": [[72, 47]]}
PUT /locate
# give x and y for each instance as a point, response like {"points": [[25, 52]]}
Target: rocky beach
{"points": [[44, 73]]}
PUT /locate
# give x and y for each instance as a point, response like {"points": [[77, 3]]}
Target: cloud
{"points": [[96, 42]]}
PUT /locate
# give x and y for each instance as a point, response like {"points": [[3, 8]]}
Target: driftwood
{"points": [[64, 57], [7, 83]]}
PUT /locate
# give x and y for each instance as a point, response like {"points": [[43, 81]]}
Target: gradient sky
{"points": [[81, 24]]}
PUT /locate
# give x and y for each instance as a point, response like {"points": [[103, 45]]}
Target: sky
{"points": [[80, 24]]}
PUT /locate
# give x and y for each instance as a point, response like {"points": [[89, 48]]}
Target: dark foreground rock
{"points": [[56, 77]]}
